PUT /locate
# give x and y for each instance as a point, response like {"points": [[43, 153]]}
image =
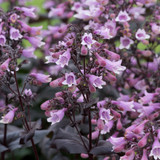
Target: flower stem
{"points": [[25, 120], [90, 134]]}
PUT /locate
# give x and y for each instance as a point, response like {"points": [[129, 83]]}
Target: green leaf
{"points": [[141, 46], [157, 49]]}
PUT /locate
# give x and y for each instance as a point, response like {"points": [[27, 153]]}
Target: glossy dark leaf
{"points": [[103, 148], [70, 142], [3, 148]]}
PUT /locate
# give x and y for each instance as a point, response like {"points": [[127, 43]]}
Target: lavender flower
{"points": [[15, 34], [125, 42], [2, 40], [123, 17], [141, 34], [69, 79], [8, 118], [88, 40], [56, 116]]}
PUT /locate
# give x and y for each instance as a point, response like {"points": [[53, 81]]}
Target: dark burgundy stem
{"points": [[25, 120]]}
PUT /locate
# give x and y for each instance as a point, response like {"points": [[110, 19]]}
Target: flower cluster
{"points": [[103, 62], [104, 49]]}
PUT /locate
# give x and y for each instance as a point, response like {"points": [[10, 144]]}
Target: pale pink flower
{"points": [[2, 40], [35, 41], [88, 40], [96, 81], [144, 157], [107, 127], [125, 42], [64, 58], [13, 18], [29, 12], [69, 79], [155, 28], [155, 152], [29, 52], [105, 114], [141, 34], [125, 106], [41, 77], [56, 116], [123, 17], [15, 34], [115, 66], [5, 65], [56, 12], [8, 118], [28, 93]]}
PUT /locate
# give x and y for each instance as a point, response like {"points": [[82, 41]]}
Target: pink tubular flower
{"points": [[140, 128], [29, 52], [155, 28], [125, 42], [143, 141], [35, 31], [28, 93], [144, 157], [130, 154], [118, 143], [15, 34], [92, 89], [64, 58], [45, 105], [5, 65], [8, 118], [105, 115], [29, 12], [101, 60], [137, 11], [95, 134], [155, 152], [87, 39], [122, 17], [56, 12], [124, 106], [56, 116], [69, 79], [112, 55], [119, 124], [84, 50], [96, 81], [76, 6], [2, 40], [35, 41], [107, 127], [57, 82], [115, 66], [141, 34], [148, 97], [41, 77]]}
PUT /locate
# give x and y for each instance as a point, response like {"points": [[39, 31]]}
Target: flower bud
{"points": [[83, 155], [84, 51], [119, 124], [143, 141], [57, 82]]}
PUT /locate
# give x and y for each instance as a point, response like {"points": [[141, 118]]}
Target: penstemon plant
{"points": [[101, 61]]}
